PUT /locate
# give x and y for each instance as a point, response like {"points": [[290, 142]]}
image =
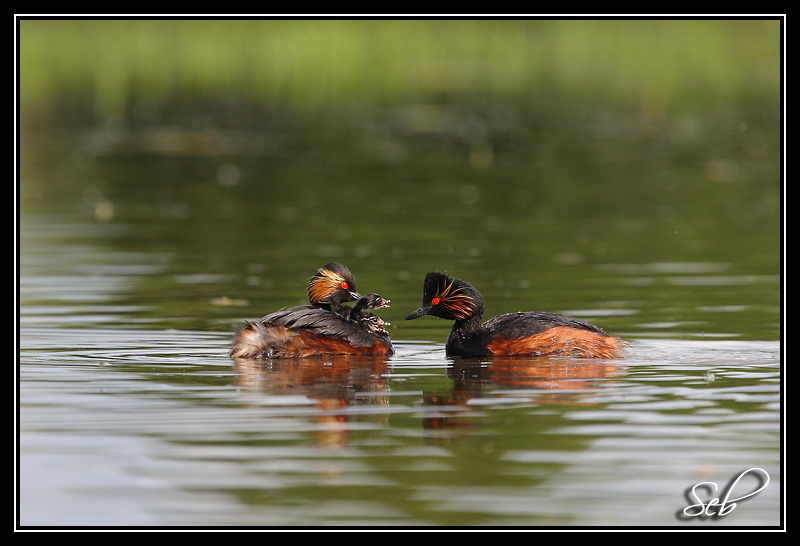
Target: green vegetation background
{"points": [[107, 67]]}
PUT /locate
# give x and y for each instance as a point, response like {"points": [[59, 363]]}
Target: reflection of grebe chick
{"points": [[325, 327], [532, 333]]}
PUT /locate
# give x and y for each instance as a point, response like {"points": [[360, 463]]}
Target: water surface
{"points": [[141, 251], [148, 427]]}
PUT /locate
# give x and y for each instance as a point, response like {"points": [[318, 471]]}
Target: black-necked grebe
{"points": [[324, 327], [526, 333]]}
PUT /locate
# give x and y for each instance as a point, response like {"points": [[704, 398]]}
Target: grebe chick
{"points": [[325, 327], [530, 333], [358, 313]]}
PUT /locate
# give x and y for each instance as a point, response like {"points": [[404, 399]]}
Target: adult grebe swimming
{"points": [[530, 333]]}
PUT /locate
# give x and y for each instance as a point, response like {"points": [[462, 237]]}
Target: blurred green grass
{"points": [[107, 67]]}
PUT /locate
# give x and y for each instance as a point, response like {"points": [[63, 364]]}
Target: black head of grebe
{"points": [[330, 286]]}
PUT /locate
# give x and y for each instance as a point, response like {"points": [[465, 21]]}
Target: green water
{"points": [[635, 226], [136, 267]]}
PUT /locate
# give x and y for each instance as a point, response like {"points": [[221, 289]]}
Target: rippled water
{"points": [[134, 270], [143, 427]]}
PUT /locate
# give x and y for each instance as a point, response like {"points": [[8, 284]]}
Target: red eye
{"points": [[435, 301], [344, 285]]}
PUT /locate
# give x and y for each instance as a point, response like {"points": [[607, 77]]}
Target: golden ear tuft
{"points": [[323, 285], [458, 303]]}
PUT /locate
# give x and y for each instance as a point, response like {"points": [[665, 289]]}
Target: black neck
{"points": [[334, 306], [469, 326], [466, 338]]}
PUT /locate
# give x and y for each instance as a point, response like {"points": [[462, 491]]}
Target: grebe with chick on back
{"points": [[326, 327]]}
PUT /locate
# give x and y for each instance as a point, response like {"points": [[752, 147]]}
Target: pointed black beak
{"points": [[354, 296], [422, 311]]}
